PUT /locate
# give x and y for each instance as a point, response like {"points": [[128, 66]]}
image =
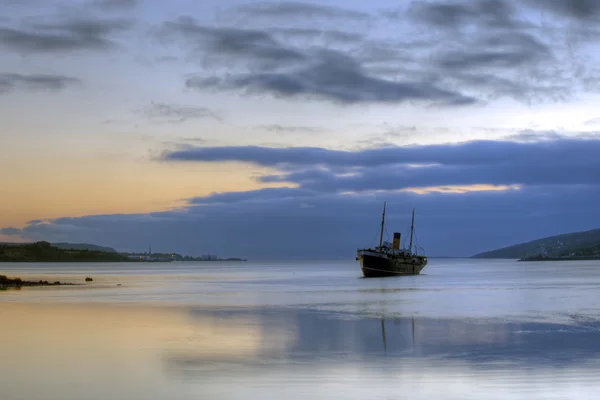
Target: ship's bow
{"points": [[373, 265]]}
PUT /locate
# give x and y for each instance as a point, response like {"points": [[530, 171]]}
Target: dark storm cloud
{"points": [[36, 82], [280, 225], [401, 177], [554, 173], [563, 161], [68, 34], [177, 113], [293, 10], [478, 152]]}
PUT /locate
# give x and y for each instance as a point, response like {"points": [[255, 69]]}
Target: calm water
{"points": [[464, 329]]}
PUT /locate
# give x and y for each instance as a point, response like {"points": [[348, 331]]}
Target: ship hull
{"points": [[377, 265]]}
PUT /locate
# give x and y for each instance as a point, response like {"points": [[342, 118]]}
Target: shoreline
{"points": [[591, 258], [131, 261], [17, 283]]}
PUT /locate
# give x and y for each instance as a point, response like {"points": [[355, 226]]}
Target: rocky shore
{"points": [[6, 283]]}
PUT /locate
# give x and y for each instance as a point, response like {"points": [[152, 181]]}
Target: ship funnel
{"points": [[396, 242]]}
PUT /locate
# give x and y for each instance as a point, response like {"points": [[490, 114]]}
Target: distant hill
{"points": [[577, 244], [83, 246], [45, 252], [72, 246]]}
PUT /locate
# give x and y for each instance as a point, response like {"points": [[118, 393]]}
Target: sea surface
{"points": [[464, 329]]}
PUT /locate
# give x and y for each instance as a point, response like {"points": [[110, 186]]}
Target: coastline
{"points": [[45, 252], [17, 283], [592, 258]]}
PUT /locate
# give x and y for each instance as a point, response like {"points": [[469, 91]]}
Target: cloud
{"points": [[289, 223], [467, 153], [279, 129], [10, 231], [115, 5], [254, 195], [460, 14], [593, 121], [329, 35], [284, 71], [511, 63], [503, 50], [335, 77], [228, 45], [294, 10], [34, 82], [576, 9], [17, 3], [447, 53], [549, 162], [177, 113], [529, 135], [523, 189], [66, 34]]}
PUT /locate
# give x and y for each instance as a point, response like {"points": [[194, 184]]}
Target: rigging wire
{"points": [[407, 238], [416, 241], [417, 244], [375, 240]]}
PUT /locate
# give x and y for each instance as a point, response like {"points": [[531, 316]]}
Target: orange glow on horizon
{"points": [[120, 188]]}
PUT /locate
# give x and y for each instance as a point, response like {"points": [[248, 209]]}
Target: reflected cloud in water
{"points": [[313, 338], [98, 352]]}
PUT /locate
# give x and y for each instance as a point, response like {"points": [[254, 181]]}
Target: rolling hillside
{"points": [[83, 246], [45, 252], [576, 244], [72, 246]]}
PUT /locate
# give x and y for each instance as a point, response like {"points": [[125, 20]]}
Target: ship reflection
{"points": [[383, 334], [412, 324], [313, 338]]}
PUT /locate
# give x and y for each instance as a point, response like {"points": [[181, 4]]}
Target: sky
{"points": [[275, 130]]}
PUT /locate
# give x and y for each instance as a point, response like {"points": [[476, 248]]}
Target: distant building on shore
{"points": [[147, 256]]}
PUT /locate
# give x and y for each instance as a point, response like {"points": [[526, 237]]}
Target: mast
{"points": [[412, 227], [382, 223]]}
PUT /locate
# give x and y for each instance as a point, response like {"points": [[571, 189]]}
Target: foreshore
{"points": [[16, 283]]}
